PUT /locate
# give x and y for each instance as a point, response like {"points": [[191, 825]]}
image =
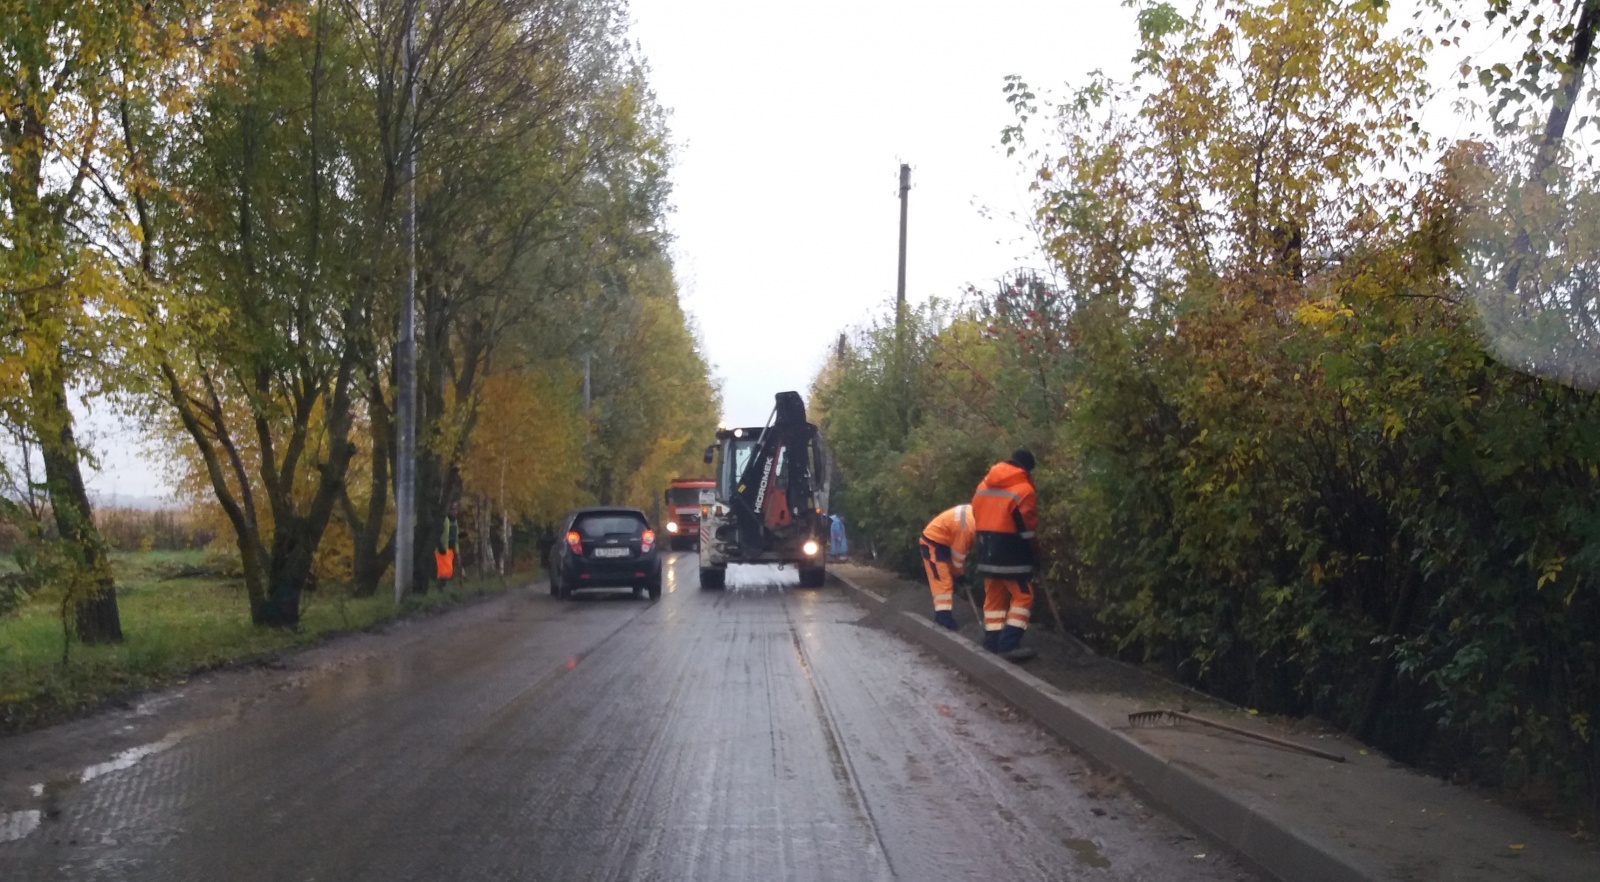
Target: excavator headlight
{"points": [[811, 548]]}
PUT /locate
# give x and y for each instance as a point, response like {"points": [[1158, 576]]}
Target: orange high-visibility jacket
{"points": [[1006, 513], [954, 529]]}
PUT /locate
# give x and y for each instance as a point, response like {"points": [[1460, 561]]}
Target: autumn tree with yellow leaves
{"points": [[525, 460], [1282, 452], [540, 162], [200, 216], [75, 79]]}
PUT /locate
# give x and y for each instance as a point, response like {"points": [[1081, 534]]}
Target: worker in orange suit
{"points": [[945, 543], [1005, 510]]}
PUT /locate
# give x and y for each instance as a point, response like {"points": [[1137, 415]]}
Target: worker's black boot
{"points": [[1009, 645]]}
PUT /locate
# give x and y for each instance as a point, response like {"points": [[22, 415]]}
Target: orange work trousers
{"points": [[1006, 602], [941, 574]]}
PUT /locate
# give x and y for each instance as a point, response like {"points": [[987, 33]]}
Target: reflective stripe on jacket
{"points": [[953, 528], [1005, 512]]}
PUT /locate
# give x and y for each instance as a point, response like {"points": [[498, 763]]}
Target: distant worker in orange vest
{"points": [[1006, 511], [445, 554], [945, 543]]}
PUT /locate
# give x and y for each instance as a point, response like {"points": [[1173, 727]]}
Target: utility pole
{"points": [[587, 386], [405, 467], [900, 305], [900, 287]]}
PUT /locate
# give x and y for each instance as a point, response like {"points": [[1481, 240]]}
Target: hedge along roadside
{"points": [[1276, 456]]}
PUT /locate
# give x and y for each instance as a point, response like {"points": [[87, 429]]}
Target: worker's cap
{"points": [[1022, 458]]}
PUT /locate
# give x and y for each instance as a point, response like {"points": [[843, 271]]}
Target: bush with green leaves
{"points": [[1277, 453]]}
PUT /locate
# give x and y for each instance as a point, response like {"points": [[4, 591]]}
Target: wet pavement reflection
{"points": [[757, 732]]}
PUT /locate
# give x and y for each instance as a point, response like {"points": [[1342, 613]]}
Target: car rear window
{"points": [[595, 526]]}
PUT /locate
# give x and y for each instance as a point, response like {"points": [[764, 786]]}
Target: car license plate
{"points": [[611, 552]]}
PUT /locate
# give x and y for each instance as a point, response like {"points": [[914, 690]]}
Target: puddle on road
{"points": [[150, 706], [1087, 853], [761, 577], [19, 824], [15, 825], [127, 759]]}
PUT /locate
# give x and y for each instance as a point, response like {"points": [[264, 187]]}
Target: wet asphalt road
{"points": [[756, 733]]}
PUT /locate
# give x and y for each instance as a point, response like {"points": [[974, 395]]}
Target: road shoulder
{"points": [[1295, 816], [152, 719]]}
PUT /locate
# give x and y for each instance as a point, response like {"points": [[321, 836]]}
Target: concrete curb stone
{"points": [[1249, 827]]}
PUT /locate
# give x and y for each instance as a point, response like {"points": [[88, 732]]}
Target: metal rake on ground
{"points": [[1164, 717]]}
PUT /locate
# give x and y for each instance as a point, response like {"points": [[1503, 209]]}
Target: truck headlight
{"points": [[810, 548], [672, 526]]}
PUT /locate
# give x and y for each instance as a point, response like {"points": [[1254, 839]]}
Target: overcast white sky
{"points": [[791, 124]]}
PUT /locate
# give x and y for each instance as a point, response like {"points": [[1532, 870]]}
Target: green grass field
{"points": [[174, 625]]}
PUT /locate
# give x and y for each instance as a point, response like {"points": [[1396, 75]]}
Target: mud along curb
{"points": [[1245, 824]]}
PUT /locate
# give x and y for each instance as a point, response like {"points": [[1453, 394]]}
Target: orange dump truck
{"points": [[682, 511]]}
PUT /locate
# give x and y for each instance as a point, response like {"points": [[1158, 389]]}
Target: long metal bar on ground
{"points": [[1145, 718]]}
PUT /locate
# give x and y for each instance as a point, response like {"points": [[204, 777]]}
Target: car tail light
{"points": [[647, 540], [575, 542]]}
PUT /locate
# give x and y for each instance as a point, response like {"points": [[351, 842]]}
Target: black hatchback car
{"points": [[606, 548]]}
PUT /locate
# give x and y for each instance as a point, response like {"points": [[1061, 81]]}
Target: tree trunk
{"points": [[24, 137], [436, 486], [502, 563], [1582, 50], [487, 560], [434, 469], [505, 542], [1555, 130], [292, 548], [369, 560], [97, 617], [429, 520]]}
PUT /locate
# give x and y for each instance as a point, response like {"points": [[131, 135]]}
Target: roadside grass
{"points": [[178, 619]]}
